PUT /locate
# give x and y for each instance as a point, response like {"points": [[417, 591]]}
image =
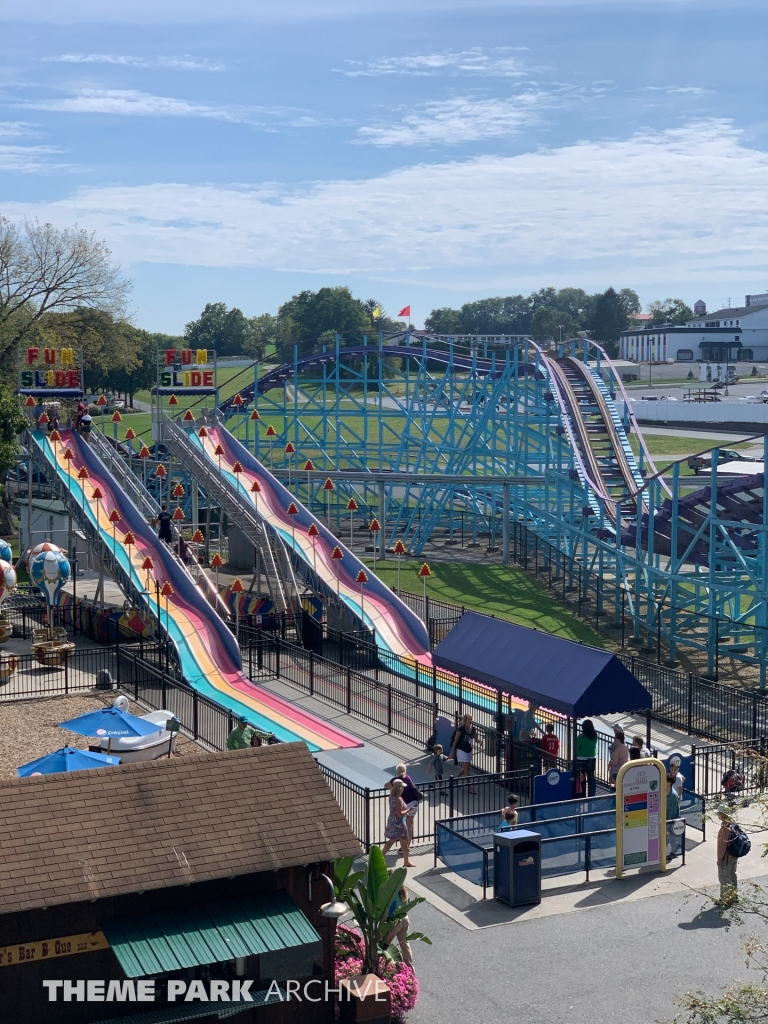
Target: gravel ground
{"points": [[28, 729]]}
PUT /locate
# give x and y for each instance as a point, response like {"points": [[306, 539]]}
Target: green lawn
{"points": [[505, 591], [662, 444]]}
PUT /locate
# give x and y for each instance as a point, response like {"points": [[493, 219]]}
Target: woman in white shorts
{"points": [[463, 740]]}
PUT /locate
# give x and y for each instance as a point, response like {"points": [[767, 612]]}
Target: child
{"points": [[509, 813], [437, 761], [550, 743], [510, 819]]}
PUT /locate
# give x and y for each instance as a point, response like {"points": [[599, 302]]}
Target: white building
{"points": [[735, 334]]}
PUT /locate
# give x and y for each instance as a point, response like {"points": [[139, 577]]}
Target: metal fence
{"points": [[694, 704], [731, 771], [78, 673], [143, 679], [366, 809]]}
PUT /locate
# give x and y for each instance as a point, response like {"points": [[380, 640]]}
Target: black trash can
{"points": [[517, 867]]}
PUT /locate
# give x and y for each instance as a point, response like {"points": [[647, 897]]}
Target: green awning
{"points": [[208, 934]]}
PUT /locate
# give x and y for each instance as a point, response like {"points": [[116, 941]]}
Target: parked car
{"points": [[700, 462]]}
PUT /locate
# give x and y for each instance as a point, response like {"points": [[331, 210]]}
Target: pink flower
{"points": [[402, 981]]}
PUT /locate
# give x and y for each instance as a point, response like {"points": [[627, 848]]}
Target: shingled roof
{"points": [[88, 835]]}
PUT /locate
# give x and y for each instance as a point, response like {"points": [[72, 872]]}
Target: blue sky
{"points": [[431, 152]]}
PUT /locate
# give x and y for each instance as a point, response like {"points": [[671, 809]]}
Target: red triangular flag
{"points": [[405, 311]]}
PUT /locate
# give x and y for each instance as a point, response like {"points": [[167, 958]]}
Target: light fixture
{"points": [[336, 908]]}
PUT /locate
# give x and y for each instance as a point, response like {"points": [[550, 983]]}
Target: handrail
{"points": [[186, 452]]}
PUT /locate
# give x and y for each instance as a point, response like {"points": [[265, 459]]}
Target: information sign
{"points": [[50, 949], [641, 815]]}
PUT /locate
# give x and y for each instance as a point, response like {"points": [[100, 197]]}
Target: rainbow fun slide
{"points": [[208, 653], [397, 628]]}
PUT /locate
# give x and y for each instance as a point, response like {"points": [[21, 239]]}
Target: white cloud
{"points": [[459, 120], [474, 62], [17, 129], [29, 159], [688, 204], [178, 63], [131, 102]]}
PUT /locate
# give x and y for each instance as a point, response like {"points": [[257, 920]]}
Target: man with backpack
{"points": [[732, 843]]}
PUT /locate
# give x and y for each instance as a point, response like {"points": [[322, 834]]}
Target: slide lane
{"points": [[209, 655], [397, 628]]}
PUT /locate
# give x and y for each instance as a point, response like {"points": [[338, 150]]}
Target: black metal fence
{"points": [[731, 770], [699, 706], [684, 700], [366, 809], [143, 678], [23, 677]]}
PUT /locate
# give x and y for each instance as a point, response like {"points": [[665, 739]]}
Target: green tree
{"points": [[143, 375], [609, 318], [382, 322], [269, 333], [45, 270], [501, 315], [549, 322], [227, 331], [370, 894], [630, 300], [444, 321], [109, 346], [11, 424], [670, 311], [329, 311]]}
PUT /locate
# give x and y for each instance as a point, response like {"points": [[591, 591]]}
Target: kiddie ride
{"points": [[8, 662], [49, 569]]}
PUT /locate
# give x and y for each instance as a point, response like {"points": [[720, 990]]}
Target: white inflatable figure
{"points": [[6, 555]]}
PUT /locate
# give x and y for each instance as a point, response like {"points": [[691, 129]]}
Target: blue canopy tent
{"points": [[564, 676]]}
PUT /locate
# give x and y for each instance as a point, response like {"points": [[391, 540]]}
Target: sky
{"points": [[429, 152]]}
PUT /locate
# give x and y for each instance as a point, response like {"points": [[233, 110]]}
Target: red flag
{"points": [[405, 311]]}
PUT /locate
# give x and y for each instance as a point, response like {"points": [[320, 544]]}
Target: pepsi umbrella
{"points": [[110, 723], [68, 759]]}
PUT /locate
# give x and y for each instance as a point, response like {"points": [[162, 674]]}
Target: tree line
{"points": [[60, 287]]}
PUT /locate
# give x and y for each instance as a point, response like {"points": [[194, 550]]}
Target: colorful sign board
{"points": [[641, 815], [182, 370], [50, 371], [50, 949]]}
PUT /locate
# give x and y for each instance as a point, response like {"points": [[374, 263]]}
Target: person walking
{"points": [[410, 796], [463, 741], [85, 426], [726, 862], [437, 763], [619, 755], [164, 520], [586, 754], [396, 829]]}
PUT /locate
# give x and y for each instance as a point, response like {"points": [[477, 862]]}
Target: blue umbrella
{"points": [[68, 759], [110, 723]]}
